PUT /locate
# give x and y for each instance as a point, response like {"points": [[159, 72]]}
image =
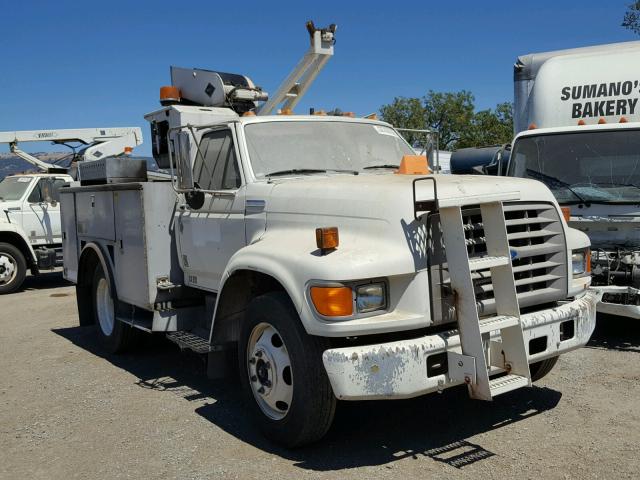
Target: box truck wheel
{"points": [[13, 268], [115, 335], [282, 374], [541, 369]]}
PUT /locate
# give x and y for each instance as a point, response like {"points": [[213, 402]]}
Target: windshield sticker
{"points": [[602, 108], [385, 130], [24, 179]]}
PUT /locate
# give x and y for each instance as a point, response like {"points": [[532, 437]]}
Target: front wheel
{"points": [[541, 369], [13, 268], [115, 335], [282, 374]]}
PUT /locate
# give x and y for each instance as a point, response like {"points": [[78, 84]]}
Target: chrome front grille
{"points": [[538, 250]]}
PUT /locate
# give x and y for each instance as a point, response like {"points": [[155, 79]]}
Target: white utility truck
{"points": [[289, 243], [30, 228], [577, 121]]}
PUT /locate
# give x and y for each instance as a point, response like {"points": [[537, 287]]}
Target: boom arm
{"points": [[300, 79], [101, 142]]}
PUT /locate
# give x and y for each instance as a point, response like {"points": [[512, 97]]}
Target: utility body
{"points": [[30, 228], [288, 244], [577, 121]]}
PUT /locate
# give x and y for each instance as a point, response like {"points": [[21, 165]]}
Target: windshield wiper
{"points": [[381, 166], [553, 180], [307, 171]]}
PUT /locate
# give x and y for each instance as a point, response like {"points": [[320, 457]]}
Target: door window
{"points": [[46, 190], [219, 168]]}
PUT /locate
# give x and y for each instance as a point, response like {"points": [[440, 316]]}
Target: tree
{"points": [[453, 116], [631, 18]]}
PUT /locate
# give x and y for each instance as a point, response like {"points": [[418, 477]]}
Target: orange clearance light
{"points": [[533, 126], [128, 150], [371, 116], [249, 114], [414, 165], [623, 120], [601, 120], [320, 113], [286, 111], [169, 94], [333, 301], [566, 213], [349, 114], [581, 122], [327, 238]]}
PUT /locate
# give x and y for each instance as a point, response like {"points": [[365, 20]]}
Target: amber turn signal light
{"points": [[587, 263], [333, 301], [327, 238], [566, 213]]}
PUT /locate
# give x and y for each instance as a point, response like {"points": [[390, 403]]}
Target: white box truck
{"points": [[288, 243], [577, 119]]}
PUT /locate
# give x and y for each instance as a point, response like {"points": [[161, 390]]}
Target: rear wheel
{"points": [[541, 369], [282, 374], [13, 268], [114, 334]]}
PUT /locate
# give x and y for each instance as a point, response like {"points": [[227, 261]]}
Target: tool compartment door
{"points": [[94, 210], [69, 235]]}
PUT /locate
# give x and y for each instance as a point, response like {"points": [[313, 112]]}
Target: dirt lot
{"points": [[68, 410]]}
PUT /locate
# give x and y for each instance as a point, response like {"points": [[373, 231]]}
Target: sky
{"points": [[78, 64]]}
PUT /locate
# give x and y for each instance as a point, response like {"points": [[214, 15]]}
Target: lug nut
{"points": [[267, 383], [252, 360], [261, 390], [254, 378], [259, 354]]}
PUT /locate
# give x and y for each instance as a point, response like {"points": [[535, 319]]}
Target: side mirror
{"points": [[182, 148]]}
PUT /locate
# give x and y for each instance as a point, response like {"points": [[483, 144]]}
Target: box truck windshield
{"points": [[601, 167]]}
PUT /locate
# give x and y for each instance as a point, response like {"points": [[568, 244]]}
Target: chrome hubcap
{"points": [[104, 307], [8, 269], [269, 369]]}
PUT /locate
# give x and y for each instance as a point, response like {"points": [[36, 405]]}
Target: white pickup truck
{"points": [[30, 232]]}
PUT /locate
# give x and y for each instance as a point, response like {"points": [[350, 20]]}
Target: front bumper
{"points": [[621, 309], [399, 369]]}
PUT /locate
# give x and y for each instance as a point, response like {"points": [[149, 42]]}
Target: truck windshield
{"points": [[13, 188], [308, 147], [592, 167]]}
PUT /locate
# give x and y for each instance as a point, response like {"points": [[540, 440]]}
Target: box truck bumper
{"points": [[622, 301], [409, 368]]}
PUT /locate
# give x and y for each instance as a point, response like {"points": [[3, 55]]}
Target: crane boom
{"points": [[100, 142], [300, 79]]}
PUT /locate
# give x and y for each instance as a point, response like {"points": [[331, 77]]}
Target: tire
{"points": [[13, 268], [115, 336], [297, 405], [541, 369]]}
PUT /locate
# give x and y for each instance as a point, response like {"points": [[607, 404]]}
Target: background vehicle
{"points": [[30, 231], [290, 245], [577, 121]]}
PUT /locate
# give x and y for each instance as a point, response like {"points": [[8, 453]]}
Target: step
{"points": [[482, 263], [190, 341], [507, 383], [498, 322]]}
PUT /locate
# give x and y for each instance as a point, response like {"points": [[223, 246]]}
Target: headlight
{"points": [[580, 261], [371, 297]]}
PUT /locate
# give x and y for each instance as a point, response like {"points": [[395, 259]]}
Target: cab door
{"points": [[209, 236], [41, 212]]}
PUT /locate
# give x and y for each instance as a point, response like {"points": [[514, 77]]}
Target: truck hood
{"points": [[384, 197], [608, 226]]}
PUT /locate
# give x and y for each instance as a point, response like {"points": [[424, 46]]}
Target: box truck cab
{"points": [[577, 121]]}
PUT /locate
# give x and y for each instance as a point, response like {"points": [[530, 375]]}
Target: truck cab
{"points": [[30, 229]]}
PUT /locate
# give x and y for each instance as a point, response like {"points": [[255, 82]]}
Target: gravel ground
{"points": [[69, 410]]}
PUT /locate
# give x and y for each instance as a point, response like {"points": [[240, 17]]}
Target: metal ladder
{"points": [[509, 354]]}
